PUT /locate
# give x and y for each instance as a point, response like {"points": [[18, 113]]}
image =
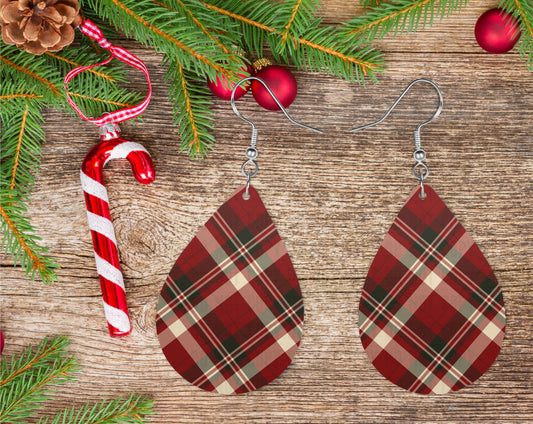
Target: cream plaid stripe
{"points": [[396, 325], [228, 263], [412, 270], [272, 328], [431, 313], [230, 316]]}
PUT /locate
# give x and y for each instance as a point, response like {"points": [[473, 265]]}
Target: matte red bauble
{"points": [[282, 83], [221, 88], [497, 31]]}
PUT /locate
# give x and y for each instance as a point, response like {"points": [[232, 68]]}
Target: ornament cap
{"points": [[261, 63], [109, 131]]}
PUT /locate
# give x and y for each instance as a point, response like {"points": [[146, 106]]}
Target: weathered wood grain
{"points": [[332, 197]]}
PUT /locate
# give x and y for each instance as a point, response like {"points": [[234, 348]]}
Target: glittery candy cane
{"points": [[105, 244]]}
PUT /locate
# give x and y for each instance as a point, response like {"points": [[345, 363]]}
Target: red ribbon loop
{"points": [[91, 30]]}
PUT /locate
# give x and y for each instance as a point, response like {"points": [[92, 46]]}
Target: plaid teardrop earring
{"points": [[230, 315], [431, 313]]}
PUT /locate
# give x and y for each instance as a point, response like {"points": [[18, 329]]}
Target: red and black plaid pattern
{"points": [[431, 314], [230, 316]]}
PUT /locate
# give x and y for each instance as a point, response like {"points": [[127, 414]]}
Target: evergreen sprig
{"points": [[118, 411], [25, 380], [20, 150], [29, 85], [398, 17], [191, 110], [315, 47], [522, 10], [294, 17], [28, 380], [167, 27]]}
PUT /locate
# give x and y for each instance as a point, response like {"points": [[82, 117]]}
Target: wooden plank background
{"points": [[332, 197]]}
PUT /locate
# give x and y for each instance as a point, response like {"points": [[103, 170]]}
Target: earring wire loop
{"points": [[254, 129], [417, 131], [419, 154], [251, 152]]}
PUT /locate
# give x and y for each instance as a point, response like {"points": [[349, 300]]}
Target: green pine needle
{"points": [[398, 17], [315, 47], [168, 28], [522, 10], [192, 114], [20, 151], [117, 411], [292, 19], [29, 379]]}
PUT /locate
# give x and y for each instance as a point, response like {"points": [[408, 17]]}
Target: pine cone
{"points": [[39, 25]]}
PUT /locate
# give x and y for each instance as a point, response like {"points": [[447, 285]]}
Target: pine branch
{"points": [[29, 84], [11, 67], [191, 100], [176, 34], [20, 242], [190, 12], [24, 379], [120, 410], [20, 152], [16, 156], [8, 97], [28, 380], [523, 11], [295, 15], [46, 351], [76, 65], [320, 48], [398, 17]]}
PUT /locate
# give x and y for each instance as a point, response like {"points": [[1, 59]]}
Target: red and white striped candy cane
{"points": [[112, 146], [99, 217]]}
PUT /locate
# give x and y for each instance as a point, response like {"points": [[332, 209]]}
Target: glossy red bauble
{"points": [[282, 83], [497, 31], [222, 89], [1, 341]]}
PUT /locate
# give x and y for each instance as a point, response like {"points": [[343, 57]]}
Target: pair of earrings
{"points": [[431, 314]]}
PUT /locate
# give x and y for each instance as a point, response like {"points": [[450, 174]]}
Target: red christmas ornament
{"points": [[1, 341], [222, 89], [497, 31], [282, 83]]}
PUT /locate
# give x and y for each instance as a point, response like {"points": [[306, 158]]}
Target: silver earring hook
{"points": [[417, 131], [419, 154], [251, 152], [254, 129]]}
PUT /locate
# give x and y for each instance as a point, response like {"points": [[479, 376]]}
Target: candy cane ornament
{"points": [[111, 146], [99, 218]]}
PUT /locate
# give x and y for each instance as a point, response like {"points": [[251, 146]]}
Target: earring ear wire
{"points": [[419, 154], [251, 152], [404, 92], [254, 129]]}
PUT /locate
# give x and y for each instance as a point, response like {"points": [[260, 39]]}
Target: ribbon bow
{"points": [[91, 30]]}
